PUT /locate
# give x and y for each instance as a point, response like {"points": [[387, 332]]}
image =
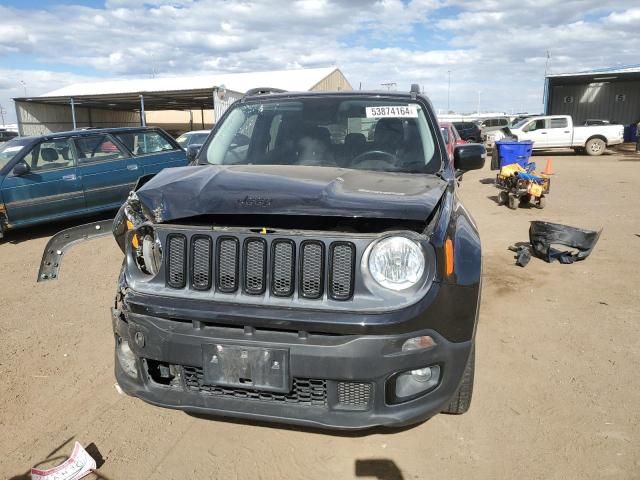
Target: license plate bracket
{"points": [[253, 368]]}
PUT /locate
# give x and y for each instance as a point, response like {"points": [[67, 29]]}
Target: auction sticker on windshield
{"points": [[393, 111]]}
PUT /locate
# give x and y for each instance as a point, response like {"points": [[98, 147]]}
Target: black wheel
{"points": [[461, 401], [542, 202], [525, 199], [595, 146], [513, 202], [503, 198]]}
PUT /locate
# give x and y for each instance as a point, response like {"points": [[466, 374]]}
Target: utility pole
{"points": [[2, 112], [448, 91], [479, 92], [546, 64], [24, 85]]}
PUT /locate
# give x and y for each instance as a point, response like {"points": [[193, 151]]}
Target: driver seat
{"points": [[388, 134]]}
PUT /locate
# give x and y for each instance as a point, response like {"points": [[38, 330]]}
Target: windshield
{"points": [[11, 149], [365, 134], [520, 123], [183, 140]]}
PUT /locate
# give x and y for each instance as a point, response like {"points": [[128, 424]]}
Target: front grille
{"points": [[258, 264], [283, 268], [255, 257], [342, 263], [354, 395], [201, 263], [176, 261], [227, 254], [304, 391], [312, 271]]}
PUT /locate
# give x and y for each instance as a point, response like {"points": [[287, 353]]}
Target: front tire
{"points": [[595, 147], [461, 401]]}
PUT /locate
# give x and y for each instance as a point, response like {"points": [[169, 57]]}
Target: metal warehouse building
{"points": [[608, 94], [126, 102]]}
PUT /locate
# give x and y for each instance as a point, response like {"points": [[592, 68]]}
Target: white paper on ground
{"points": [[78, 465]]}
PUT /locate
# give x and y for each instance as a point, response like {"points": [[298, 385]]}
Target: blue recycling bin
{"points": [[510, 152]]}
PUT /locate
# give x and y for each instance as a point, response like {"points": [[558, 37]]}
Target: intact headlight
{"points": [[396, 263]]}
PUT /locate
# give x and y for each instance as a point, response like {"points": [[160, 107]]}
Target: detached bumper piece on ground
{"points": [[543, 236]]}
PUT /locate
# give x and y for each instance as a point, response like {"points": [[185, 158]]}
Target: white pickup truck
{"points": [[557, 131]]}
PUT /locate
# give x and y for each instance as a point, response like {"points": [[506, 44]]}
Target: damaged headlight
{"points": [[396, 263], [147, 250]]}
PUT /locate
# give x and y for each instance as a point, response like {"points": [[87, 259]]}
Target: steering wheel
{"points": [[381, 155]]}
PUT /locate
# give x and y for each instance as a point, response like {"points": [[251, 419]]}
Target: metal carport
{"points": [[124, 102]]}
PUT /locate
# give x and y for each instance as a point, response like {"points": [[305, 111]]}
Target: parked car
{"points": [[468, 131], [451, 137], [78, 173], [271, 283], [558, 131], [487, 125], [6, 135], [195, 137]]}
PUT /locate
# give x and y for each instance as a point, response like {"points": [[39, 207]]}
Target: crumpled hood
{"points": [[184, 192]]}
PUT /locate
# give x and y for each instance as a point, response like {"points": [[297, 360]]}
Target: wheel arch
{"points": [[599, 136]]}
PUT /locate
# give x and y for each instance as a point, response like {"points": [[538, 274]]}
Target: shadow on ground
{"points": [[380, 468]]}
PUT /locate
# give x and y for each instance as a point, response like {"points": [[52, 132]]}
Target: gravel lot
{"points": [[557, 393]]}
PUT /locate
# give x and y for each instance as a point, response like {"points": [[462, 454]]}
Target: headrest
{"points": [[355, 139], [387, 126], [49, 154], [316, 133]]}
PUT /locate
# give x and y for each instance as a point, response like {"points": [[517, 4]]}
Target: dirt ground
{"points": [[557, 393]]}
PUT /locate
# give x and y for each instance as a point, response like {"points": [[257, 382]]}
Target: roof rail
{"points": [[263, 91]]}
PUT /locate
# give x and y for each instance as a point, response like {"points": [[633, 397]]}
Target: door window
{"points": [[558, 123], [50, 155], [535, 125], [141, 143], [97, 148], [445, 134]]}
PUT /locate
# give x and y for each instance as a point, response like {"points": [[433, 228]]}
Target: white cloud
{"points": [[497, 47]]}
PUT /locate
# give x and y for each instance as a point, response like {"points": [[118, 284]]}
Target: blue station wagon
{"points": [[77, 173]]}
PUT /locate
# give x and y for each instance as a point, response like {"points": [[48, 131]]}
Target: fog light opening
{"points": [[126, 358], [416, 382]]}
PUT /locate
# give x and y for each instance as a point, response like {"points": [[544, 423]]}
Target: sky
{"points": [[492, 52]]}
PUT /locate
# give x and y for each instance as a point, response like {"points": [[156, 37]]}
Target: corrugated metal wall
{"points": [[39, 119], [615, 101], [333, 82]]}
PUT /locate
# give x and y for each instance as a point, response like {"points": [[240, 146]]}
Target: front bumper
{"points": [[338, 381]]}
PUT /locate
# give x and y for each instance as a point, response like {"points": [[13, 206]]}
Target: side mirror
{"points": [[469, 157], [20, 169], [192, 152]]}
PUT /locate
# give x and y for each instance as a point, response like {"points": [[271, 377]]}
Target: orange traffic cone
{"points": [[548, 169]]}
